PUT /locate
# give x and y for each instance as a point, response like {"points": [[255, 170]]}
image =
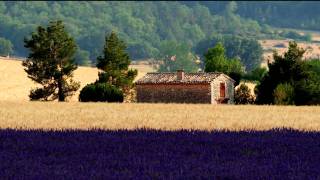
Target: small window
{"points": [[222, 90]]}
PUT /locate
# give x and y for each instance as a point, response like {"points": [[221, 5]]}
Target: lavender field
{"points": [[151, 154]]}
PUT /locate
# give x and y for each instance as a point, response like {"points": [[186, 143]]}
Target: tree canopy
{"points": [[51, 62], [115, 79], [242, 95], [216, 61], [248, 50], [6, 47], [114, 63], [288, 14], [176, 56], [289, 72]]}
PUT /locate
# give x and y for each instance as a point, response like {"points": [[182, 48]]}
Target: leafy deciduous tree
{"points": [[248, 50], [216, 61], [175, 56]]}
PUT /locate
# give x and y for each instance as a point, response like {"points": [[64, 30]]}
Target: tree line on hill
{"points": [[51, 63], [286, 14], [144, 26]]}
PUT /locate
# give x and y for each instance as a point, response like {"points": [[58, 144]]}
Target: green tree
{"points": [[51, 62], [307, 37], [247, 49], [242, 95], [285, 69], [114, 64], [82, 57], [115, 79], [284, 94], [235, 70], [175, 56], [307, 90], [216, 61], [6, 47], [231, 8], [257, 74]]}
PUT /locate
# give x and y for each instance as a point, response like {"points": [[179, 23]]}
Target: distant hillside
{"points": [[145, 25], [142, 25], [288, 14]]}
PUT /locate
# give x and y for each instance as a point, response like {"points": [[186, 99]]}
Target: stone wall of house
{"points": [[215, 89], [174, 93]]}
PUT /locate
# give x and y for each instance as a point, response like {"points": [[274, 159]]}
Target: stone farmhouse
{"points": [[181, 87]]}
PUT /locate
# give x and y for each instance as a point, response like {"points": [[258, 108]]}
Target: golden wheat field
{"points": [[17, 112], [15, 85], [72, 115]]}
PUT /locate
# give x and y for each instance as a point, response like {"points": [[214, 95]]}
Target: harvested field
{"points": [[72, 115]]}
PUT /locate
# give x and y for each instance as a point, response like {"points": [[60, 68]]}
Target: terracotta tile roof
{"points": [[171, 78]]}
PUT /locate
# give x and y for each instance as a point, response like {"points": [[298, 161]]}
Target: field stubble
{"points": [[111, 116]]}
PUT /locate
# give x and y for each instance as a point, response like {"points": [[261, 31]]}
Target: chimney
{"points": [[180, 75]]}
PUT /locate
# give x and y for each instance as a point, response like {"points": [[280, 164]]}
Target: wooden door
{"points": [[222, 90]]}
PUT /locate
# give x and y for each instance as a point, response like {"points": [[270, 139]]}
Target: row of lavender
{"points": [[150, 154]]}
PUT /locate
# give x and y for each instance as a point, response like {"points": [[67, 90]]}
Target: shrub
{"points": [[284, 94], [100, 92], [243, 95]]}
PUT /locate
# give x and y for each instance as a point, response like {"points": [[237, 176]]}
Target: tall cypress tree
{"points": [[114, 64], [51, 63]]}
